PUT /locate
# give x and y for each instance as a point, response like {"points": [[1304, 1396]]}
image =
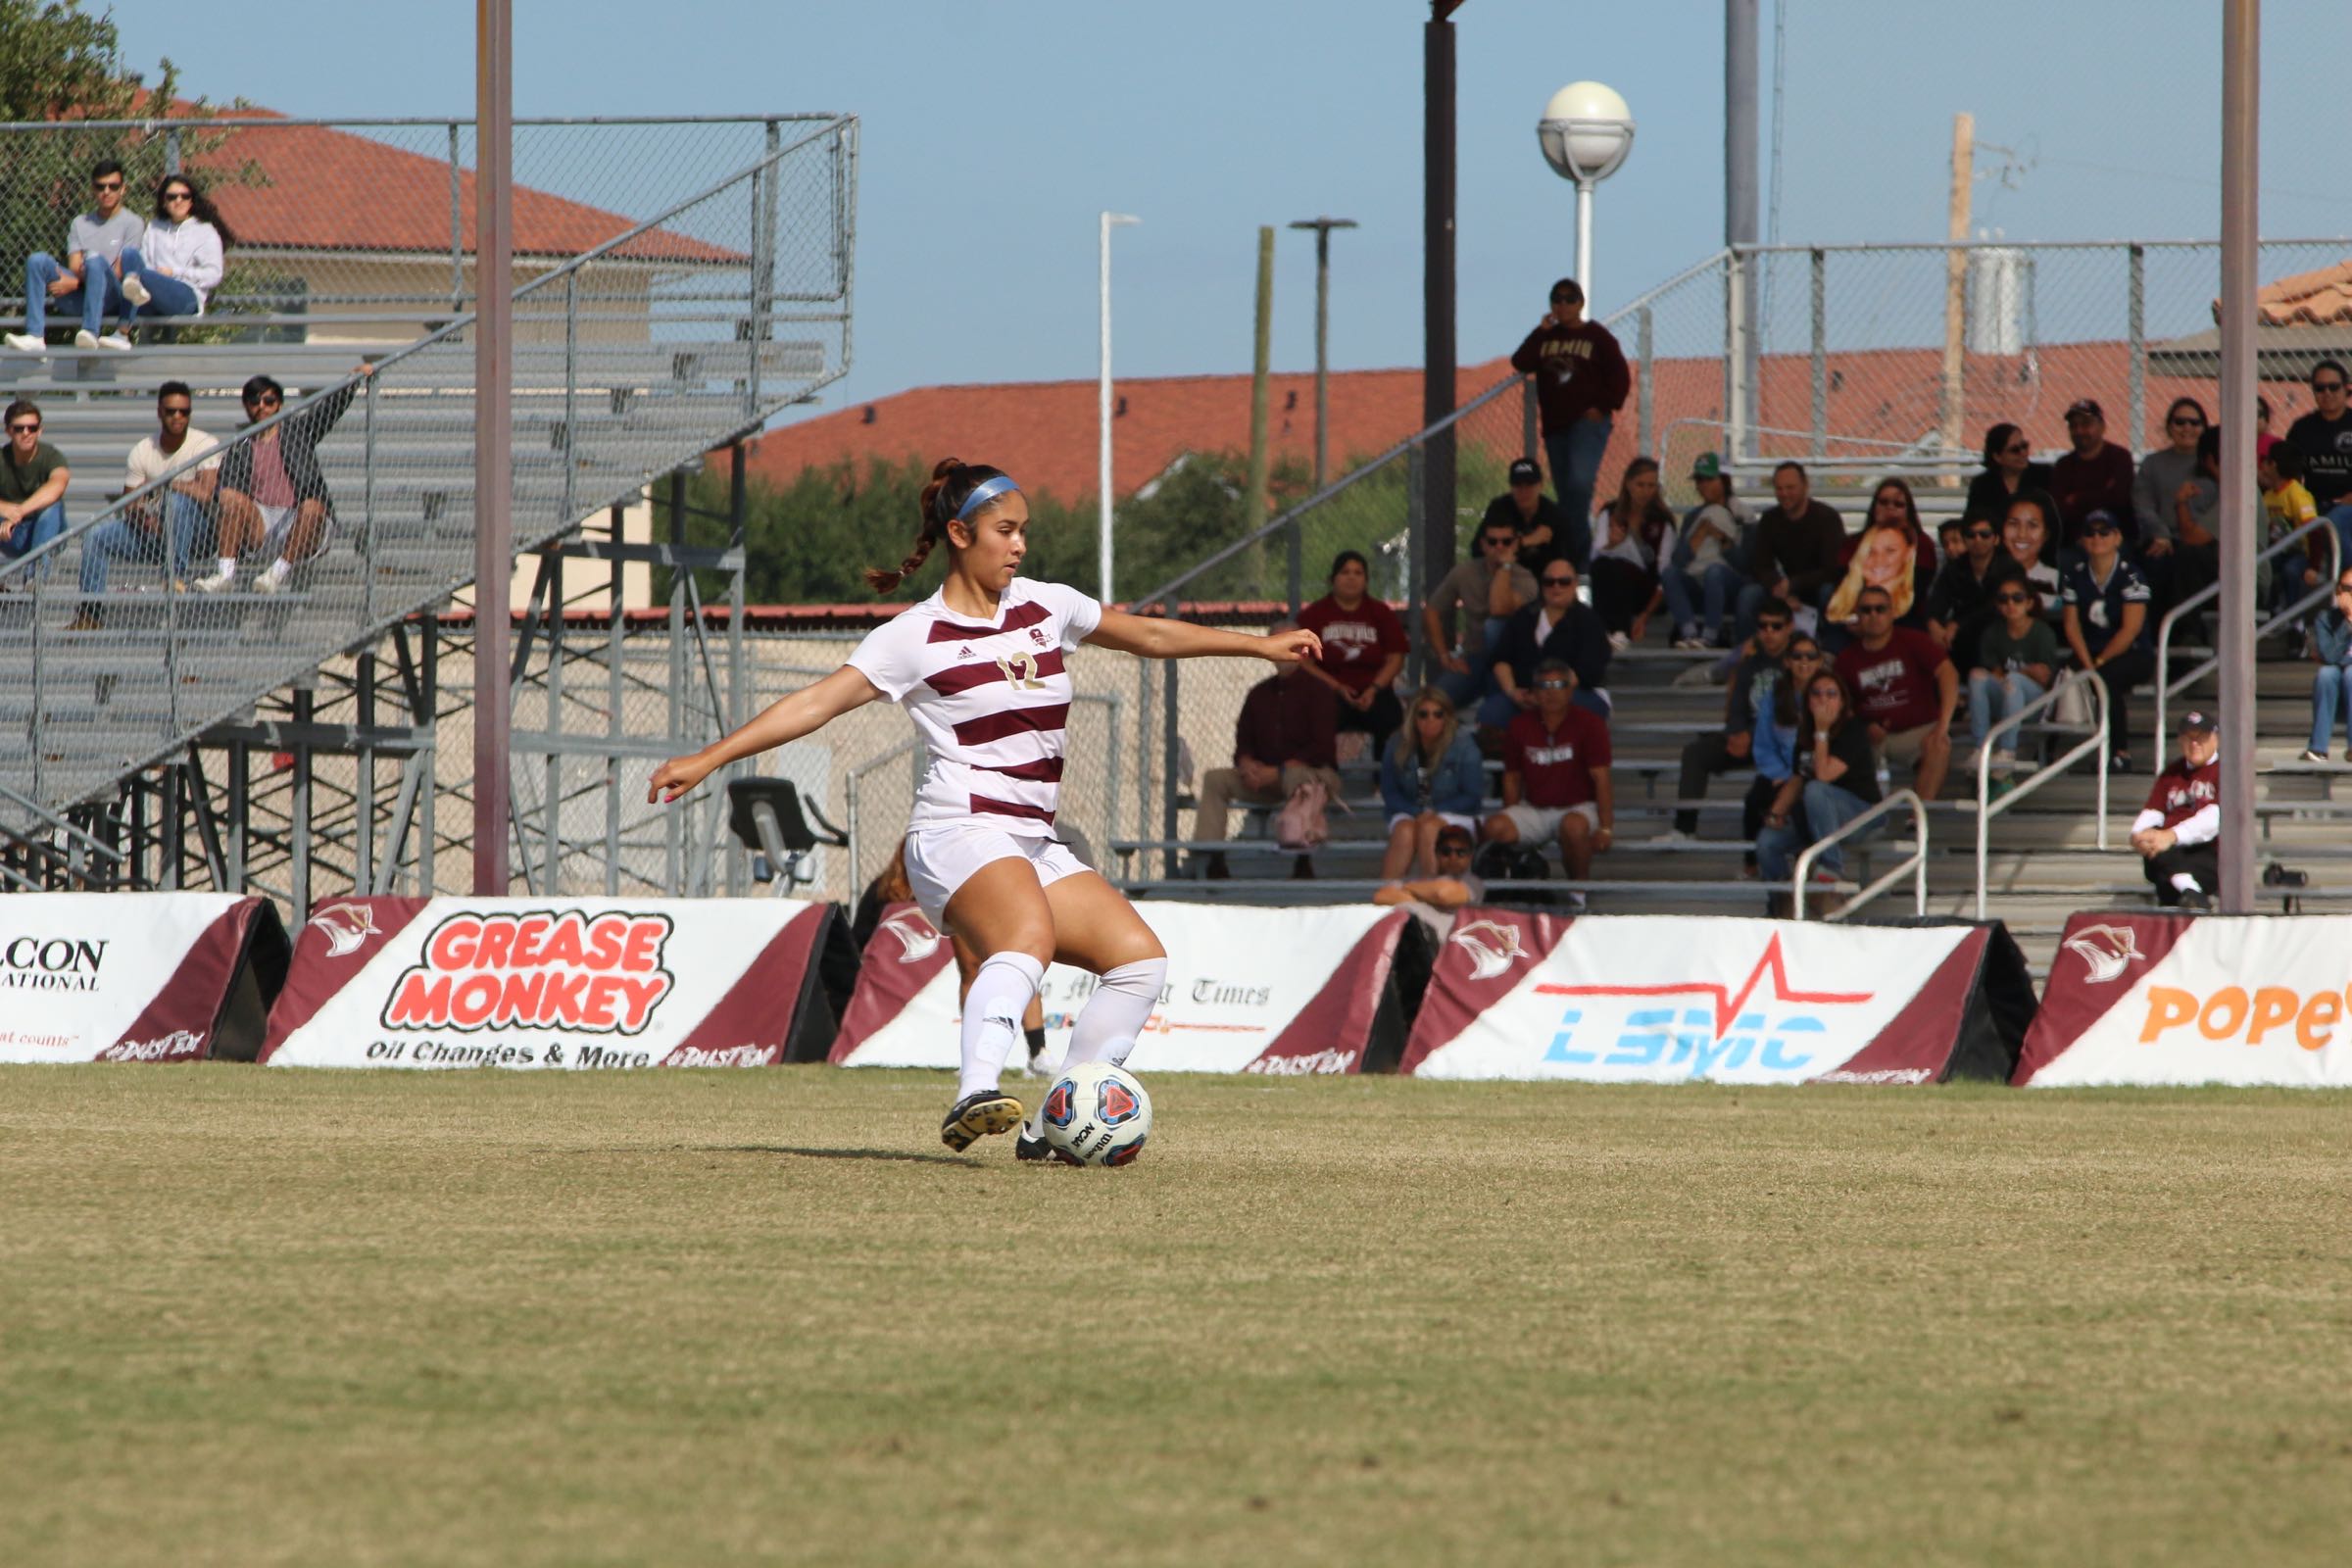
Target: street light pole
{"points": [[2241, 164], [1323, 227], [1110, 220], [1585, 132]]}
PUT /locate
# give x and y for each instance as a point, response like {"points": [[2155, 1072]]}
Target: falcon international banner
{"points": [[136, 976]]}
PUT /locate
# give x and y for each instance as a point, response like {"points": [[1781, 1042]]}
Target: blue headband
{"points": [[983, 493]]}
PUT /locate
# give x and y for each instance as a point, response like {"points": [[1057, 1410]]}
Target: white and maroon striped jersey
{"points": [[992, 701]]}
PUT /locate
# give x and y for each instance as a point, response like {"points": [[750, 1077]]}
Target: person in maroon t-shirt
{"points": [[1581, 383], [1907, 689], [1364, 648], [2178, 832], [1555, 777], [2095, 477]]}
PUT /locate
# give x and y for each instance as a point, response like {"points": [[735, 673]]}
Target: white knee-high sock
{"points": [[1116, 1013], [992, 1016]]}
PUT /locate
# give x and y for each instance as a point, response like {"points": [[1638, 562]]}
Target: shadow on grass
{"points": [[897, 1155]]}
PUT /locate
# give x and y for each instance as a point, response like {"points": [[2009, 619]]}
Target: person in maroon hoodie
{"points": [[2097, 475], [1581, 381], [2178, 832]]}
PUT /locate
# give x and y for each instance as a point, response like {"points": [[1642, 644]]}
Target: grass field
{"points": [[255, 1317]]}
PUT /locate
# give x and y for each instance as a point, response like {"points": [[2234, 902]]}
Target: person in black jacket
{"points": [[1556, 626], [2009, 472], [271, 491]]}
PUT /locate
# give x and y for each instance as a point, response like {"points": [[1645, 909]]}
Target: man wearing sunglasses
{"points": [[163, 527], [89, 279], [1557, 625], [2325, 438], [1905, 688], [273, 493], [33, 487], [1486, 591], [1960, 600]]}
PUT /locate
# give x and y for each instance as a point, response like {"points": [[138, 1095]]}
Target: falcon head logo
{"points": [[2107, 951], [917, 939], [347, 925], [1493, 947]]}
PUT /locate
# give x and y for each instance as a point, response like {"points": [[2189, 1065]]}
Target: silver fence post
{"points": [[1142, 749], [367, 502], [2136, 298], [1821, 353], [1167, 751], [764, 263], [1646, 416], [1735, 351], [457, 227], [1530, 430]]}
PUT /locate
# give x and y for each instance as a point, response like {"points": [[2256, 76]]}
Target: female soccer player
{"points": [[979, 667]]}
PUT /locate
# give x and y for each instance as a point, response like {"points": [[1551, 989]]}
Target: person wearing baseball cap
{"points": [[2178, 832], [1548, 531], [1581, 381], [2107, 625], [2095, 477]]}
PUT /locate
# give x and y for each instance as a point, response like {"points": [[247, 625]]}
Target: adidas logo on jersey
{"points": [[966, 652]]}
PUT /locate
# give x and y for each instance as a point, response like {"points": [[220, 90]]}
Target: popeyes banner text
{"points": [[1665, 998], [136, 976], [563, 983], [2148, 999], [1264, 991]]}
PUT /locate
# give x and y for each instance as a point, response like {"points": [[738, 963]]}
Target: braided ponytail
{"points": [[952, 483]]}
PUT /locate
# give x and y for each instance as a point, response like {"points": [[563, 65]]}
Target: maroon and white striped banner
{"points": [[135, 976]]}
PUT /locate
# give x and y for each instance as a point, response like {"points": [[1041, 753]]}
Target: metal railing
{"points": [[2166, 686], [1916, 864], [2093, 744]]}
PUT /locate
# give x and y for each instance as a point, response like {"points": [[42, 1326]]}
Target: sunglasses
{"points": [[106, 184], [1772, 626], [1980, 533], [2011, 598], [2327, 386], [1825, 694], [1803, 655], [1873, 610], [1551, 685], [1559, 582], [2188, 419], [174, 414], [265, 401], [1493, 539], [180, 195], [2016, 449], [1429, 713], [28, 428], [1563, 299]]}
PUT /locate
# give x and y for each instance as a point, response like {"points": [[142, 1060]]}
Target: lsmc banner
{"points": [[135, 976], [1664, 999], [2150, 999], [1265, 991], [563, 983]]}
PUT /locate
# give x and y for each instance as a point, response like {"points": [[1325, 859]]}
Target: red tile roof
{"points": [[2321, 298]]}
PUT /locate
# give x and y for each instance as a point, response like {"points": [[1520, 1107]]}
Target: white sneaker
{"points": [[136, 290], [85, 340], [1675, 835], [269, 582], [26, 343], [2310, 756], [1620, 642], [215, 584], [115, 341]]}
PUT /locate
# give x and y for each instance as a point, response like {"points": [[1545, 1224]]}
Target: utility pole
{"points": [[493, 438], [1739, 203], [1435, 557], [1955, 283], [1254, 501], [2241, 164], [1323, 227]]}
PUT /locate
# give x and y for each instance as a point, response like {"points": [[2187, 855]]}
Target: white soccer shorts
{"points": [[942, 860]]}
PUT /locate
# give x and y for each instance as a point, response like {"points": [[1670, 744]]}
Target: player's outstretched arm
{"points": [[1151, 637], [786, 719]]}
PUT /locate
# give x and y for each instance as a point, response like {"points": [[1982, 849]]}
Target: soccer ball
{"points": [[1096, 1114]]}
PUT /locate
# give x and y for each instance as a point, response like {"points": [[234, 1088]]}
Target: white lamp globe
{"points": [[1585, 131]]}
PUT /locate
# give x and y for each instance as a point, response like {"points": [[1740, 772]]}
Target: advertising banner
{"points": [[136, 976], [1249, 990], [1662, 999], [563, 983], [2162, 999]]}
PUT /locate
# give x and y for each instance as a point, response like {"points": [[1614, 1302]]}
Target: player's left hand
{"points": [[1291, 647]]}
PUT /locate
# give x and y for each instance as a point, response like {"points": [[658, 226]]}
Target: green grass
{"points": [[254, 1317]]}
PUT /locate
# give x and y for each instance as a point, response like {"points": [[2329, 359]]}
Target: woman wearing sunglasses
{"points": [[1775, 746], [180, 261], [2015, 656], [2009, 473], [1431, 777], [1835, 780]]}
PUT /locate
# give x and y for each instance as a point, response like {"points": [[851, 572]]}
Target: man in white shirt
{"points": [[168, 524]]}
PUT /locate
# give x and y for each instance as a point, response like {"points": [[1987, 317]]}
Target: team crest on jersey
{"points": [[1060, 1102], [1037, 637], [1115, 1102]]}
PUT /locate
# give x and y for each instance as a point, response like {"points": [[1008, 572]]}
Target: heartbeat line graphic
{"points": [[1727, 1003]]}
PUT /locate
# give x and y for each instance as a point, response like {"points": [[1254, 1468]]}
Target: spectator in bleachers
{"points": [[1634, 529], [1700, 581], [2095, 476], [1431, 777], [2009, 472], [2157, 486], [2332, 683], [167, 527], [32, 485], [1546, 530], [2106, 610], [1486, 593], [1581, 383], [1364, 648], [179, 263], [1960, 601], [1555, 779], [1443, 891], [1795, 557], [272, 495], [1834, 779], [1951, 539], [2179, 831], [1904, 689], [2325, 438], [2030, 537], [2263, 437], [1776, 737], [1557, 625], [2195, 560], [1892, 553], [2287, 505], [90, 278], [1746, 706], [2015, 662], [1283, 738]]}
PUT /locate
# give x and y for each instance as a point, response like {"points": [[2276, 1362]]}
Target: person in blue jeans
{"points": [[1484, 591], [169, 527], [98, 245], [1581, 383], [33, 488], [2332, 682], [1835, 780], [1431, 777]]}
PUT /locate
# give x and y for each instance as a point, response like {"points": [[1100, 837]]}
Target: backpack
{"points": [[1301, 825]]}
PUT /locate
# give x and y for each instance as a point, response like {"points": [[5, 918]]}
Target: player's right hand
{"points": [[676, 777]]}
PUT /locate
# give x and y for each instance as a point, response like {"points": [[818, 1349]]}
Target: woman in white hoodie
{"points": [[178, 264]]}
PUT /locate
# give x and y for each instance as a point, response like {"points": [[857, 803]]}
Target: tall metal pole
{"points": [[493, 450], [1437, 550], [1584, 239], [1323, 227], [2241, 98], [1740, 121], [1102, 485]]}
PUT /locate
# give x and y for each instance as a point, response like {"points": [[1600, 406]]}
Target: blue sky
{"points": [[994, 133]]}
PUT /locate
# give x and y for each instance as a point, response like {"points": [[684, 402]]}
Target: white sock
{"points": [[229, 565], [1116, 1013], [279, 567], [1001, 993], [2185, 883]]}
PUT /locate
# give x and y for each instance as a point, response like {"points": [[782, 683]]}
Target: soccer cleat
{"points": [[1028, 1146], [135, 291], [26, 343], [981, 1114]]}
